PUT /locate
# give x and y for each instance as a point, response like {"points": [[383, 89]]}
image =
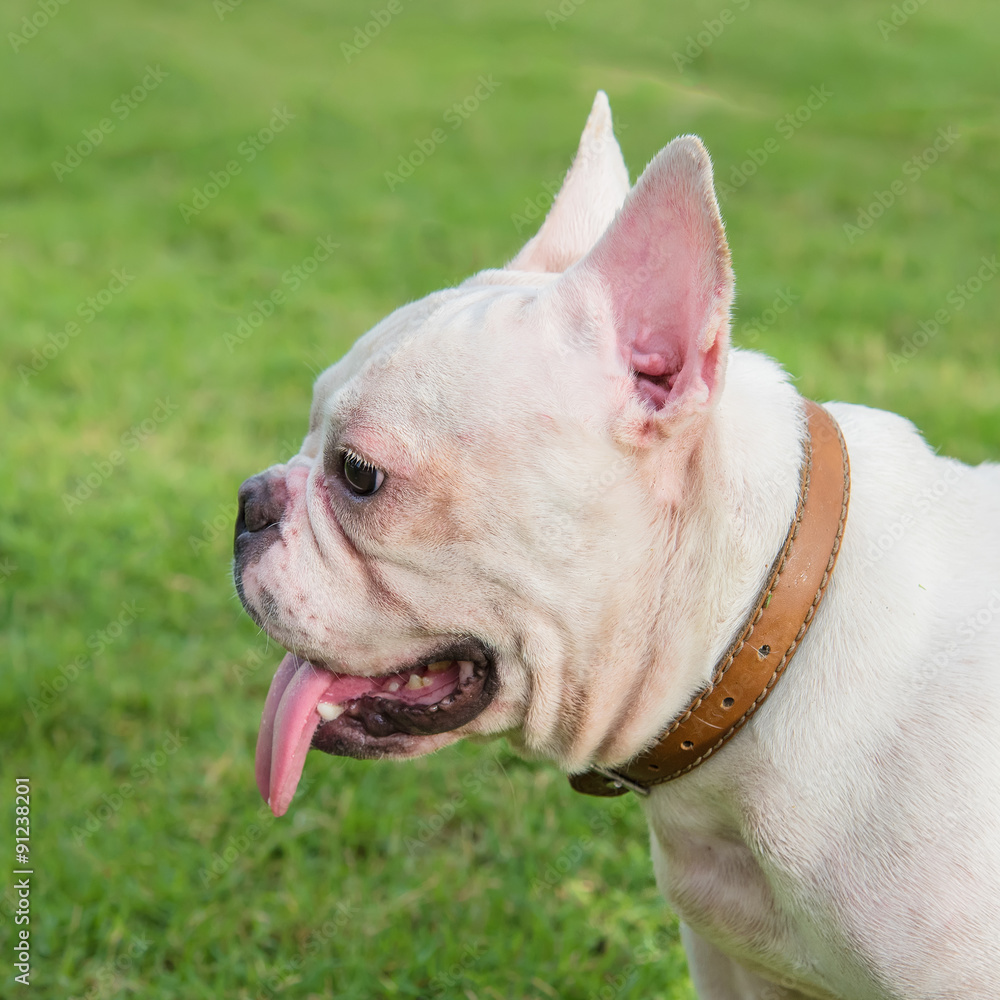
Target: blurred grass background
{"points": [[133, 683]]}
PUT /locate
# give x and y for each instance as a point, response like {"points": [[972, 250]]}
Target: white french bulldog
{"points": [[541, 504]]}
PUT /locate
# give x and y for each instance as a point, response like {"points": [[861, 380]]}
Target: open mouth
{"points": [[310, 706]]}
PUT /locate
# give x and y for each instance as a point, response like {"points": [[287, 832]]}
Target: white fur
{"points": [[845, 844]]}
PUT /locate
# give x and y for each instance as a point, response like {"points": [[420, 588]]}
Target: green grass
{"points": [[471, 873]]}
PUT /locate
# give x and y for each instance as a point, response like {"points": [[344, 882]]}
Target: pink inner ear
{"points": [[665, 264], [659, 378]]}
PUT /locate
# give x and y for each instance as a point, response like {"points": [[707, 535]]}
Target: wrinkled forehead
{"points": [[439, 365]]}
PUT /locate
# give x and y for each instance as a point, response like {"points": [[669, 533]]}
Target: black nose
{"points": [[262, 500]]}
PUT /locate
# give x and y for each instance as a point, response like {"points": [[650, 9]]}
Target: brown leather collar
{"points": [[749, 670]]}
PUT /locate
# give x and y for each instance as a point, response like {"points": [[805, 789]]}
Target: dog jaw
{"points": [[401, 714]]}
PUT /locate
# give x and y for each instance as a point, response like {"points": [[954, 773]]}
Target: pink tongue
{"points": [[286, 729], [289, 721], [290, 718]]}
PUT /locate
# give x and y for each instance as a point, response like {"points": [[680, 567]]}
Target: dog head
{"points": [[497, 479]]}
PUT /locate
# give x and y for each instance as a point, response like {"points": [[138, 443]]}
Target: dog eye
{"points": [[362, 478]]}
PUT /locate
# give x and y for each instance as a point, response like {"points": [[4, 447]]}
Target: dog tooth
{"points": [[393, 686], [415, 682], [329, 712], [465, 671], [439, 667]]}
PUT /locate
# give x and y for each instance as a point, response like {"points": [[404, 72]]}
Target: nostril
{"points": [[259, 514], [261, 503]]}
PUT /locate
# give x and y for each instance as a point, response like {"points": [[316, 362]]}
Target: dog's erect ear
{"points": [[592, 192], [664, 264]]}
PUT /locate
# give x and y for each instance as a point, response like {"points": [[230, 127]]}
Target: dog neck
{"points": [[769, 632]]}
